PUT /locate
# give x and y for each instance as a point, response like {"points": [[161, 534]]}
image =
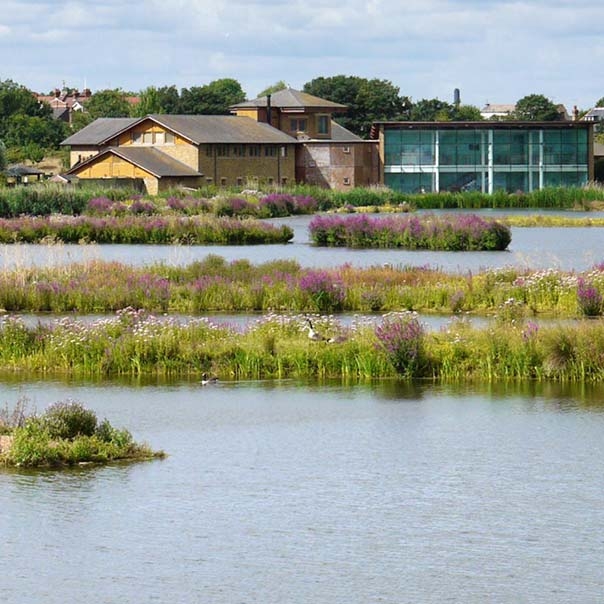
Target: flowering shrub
{"points": [[588, 298], [280, 204], [326, 292], [451, 233], [400, 336]]}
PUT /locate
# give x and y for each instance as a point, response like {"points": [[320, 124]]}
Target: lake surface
{"points": [[286, 492], [567, 248]]}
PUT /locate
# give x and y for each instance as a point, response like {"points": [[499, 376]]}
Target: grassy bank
{"points": [[283, 285], [46, 200], [65, 434], [278, 346]]}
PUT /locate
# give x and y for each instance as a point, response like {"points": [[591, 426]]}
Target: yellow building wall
{"points": [[236, 170]]}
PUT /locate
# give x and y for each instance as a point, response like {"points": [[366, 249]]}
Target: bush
{"points": [[400, 336], [69, 419]]}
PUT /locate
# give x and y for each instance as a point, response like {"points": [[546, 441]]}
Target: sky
{"points": [[493, 51]]}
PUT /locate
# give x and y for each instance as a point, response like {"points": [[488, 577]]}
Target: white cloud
{"points": [[497, 50]]}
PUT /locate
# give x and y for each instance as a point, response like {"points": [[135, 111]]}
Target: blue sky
{"points": [[492, 50]]}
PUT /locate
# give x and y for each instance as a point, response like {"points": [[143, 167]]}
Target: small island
{"points": [[66, 434]]}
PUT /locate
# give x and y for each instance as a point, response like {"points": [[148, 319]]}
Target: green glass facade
{"points": [[484, 158]]}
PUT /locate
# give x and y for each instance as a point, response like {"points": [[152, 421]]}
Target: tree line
{"points": [[28, 129]]}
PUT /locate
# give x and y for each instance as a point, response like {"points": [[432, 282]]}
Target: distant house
{"points": [[164, 151], [595, 115], [327, 154], [491, 110], [64, 103], [20, 174], [283, 138]]}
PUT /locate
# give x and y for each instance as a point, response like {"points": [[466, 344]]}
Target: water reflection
{"points": [[296, 491]]}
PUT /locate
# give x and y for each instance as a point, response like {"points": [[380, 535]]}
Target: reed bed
{"points": [[45, 199], [460, 232], [214, 284], [200, 230], [277, 346]]}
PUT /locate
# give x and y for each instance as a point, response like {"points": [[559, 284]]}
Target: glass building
{"points": [[485, 156]]}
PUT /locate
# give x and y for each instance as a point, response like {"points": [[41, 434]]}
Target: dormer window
{"points": [[297, 125], [322, 124]]}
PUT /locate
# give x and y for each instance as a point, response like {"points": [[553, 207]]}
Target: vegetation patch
{"points": [[66, 434], [460, 232], [142, 229], [280, 346], [214, 284]]}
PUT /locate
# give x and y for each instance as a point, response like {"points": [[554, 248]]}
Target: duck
{"points": [[205, 379], [314, 335]]}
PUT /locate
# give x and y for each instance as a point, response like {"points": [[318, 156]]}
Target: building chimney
{"points": [[575, 114], [456, 97], [268, 109]]}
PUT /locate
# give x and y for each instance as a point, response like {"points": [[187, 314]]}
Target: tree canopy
{"points": [[280, 85], [108, 103], [27, 126], [536, 108], [214, 98], [367, 100]]}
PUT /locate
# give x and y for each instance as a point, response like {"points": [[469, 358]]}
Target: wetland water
{"points": [[566, 248], [287, 492]]}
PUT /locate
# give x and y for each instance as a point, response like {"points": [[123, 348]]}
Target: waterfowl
{"points": [[314, 335], [205, 379]]}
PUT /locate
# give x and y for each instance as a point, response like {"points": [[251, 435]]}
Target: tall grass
{"points": [[42, 200], [278, 346], [283, 285], [142, 229]]}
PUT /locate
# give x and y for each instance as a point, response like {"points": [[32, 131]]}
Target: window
{"points": [[297, 125], [270, 151], [223, 181], [147, 138], [222, 150], [254, 150], [137, 138], [346, 180], [169, 138], [209, 180], [209, 150], [239, 150], [345, 149], [283, 151], [239, 181], [323, 124]]}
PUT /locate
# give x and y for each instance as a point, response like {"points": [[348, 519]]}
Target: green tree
{"points": [[536, 108], [432, 110], [169, 99], [108, 103], [600, 103], [367, 100], [214, 98], [22, 130], [150, 102], [280, 85], [3, 161], [80, 119], [467, 113], [15, 98]]}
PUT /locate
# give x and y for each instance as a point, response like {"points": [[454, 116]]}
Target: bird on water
{"points": [[205, 379]]}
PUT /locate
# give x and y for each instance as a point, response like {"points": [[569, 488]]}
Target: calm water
{"points": [[299, 493], [565, 248]]}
